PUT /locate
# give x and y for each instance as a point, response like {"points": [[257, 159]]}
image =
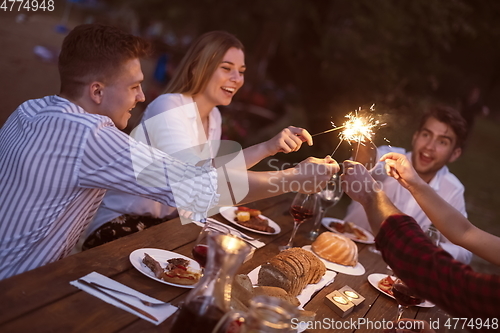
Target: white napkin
{"points": [[160, 312], [255, 243], [308, 291]]}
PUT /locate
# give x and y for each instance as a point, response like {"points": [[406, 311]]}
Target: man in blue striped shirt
{"points": [[59, 154]]}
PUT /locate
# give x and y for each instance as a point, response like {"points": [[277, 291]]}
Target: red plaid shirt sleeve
{"points": [[433, 274]]}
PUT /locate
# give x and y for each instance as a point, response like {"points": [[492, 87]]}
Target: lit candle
{"points": [[351, 294], [340, 299]]}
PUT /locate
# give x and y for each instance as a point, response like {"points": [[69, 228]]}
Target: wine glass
{"points": [[302, 208], [433, 234], [200, 248], [328, 197], [404, 296]]}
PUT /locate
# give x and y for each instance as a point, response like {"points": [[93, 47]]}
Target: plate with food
{"points": [[355, 270], [250, 219], [384, 282], [166, 267], [348, 229]]}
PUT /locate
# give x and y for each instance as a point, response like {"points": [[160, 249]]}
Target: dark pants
{"points": [[119, 227]]}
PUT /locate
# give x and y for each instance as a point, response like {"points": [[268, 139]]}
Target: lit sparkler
{"points": [[359, 127]]}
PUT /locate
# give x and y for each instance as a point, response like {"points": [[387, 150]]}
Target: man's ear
{"points": [[96, 92], [414, 138], [455, 154]]}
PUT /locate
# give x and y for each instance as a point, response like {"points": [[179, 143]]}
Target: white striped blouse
{"points": [[56, 163]]}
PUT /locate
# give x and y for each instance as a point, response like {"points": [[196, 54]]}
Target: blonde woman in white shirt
{"points": [[186, 122]]}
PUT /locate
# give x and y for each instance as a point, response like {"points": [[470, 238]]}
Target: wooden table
{"points": [[42, 300]]}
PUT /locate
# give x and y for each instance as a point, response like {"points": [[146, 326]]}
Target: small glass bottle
{"points": [[269, 315], [209, 300]]}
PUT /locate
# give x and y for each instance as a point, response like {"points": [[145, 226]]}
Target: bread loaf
{"points": [[242, 289], [292, 270], [336, 248]]}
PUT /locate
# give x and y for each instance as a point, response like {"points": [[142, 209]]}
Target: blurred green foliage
{"points": [[341, 54]]}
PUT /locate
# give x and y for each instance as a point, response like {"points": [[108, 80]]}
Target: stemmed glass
{"points": [[404, 296], [433, 234], [200, 248], [302, 208], [328, 197]]}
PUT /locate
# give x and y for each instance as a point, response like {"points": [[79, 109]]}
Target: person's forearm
{"points": [[260, 185], [454, 226], [450, 222], [378, 209], [254, 154]]}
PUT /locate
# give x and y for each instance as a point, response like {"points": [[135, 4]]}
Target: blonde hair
{"points": [[201, 61]]}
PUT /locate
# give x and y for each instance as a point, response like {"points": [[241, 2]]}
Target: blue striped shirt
{"points": [[56, 163]]}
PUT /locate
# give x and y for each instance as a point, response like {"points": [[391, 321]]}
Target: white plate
{"points": [[229, 214], [375, 278], [161, 256], [348, 270], [326, 223]]}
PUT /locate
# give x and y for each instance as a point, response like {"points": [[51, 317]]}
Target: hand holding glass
{"points": [[302, 208]]}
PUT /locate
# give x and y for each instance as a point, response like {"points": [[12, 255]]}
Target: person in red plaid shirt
{"points": [[428, 270]]}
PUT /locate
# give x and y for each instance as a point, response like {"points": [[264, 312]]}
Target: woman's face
{"points": [[227, 78]]}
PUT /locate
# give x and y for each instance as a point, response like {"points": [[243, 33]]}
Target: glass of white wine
{"points": [[328, 197]]}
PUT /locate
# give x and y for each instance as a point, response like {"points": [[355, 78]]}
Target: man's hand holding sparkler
{"points": [[358, 184]]}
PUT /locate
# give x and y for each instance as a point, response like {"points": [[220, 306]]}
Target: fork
{"points": [[242, 235], [147, 303], [233, 230]]}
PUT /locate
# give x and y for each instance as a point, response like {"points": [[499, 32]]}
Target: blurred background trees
{"points": [[329, 57]]}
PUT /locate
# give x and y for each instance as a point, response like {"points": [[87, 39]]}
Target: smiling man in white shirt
{"points": [[438, 141]]}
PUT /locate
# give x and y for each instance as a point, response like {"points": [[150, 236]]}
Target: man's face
{"points": [[433, 147], [120, 95]]}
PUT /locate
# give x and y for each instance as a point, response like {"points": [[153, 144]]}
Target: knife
{"points": [[141, 311]]}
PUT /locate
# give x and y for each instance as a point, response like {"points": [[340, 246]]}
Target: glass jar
{"points": [[269, 314], [209, 300]]}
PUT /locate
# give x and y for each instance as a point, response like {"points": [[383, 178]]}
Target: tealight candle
{"points": [[352, 295], [338, 303], [340, 299]]}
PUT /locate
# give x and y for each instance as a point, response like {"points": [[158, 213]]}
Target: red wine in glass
{"points": [[301, 209], [404, 295], [300, 214], [200, 254]]}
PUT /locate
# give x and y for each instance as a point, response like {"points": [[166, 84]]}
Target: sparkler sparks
{"points": [[359, 127]]}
